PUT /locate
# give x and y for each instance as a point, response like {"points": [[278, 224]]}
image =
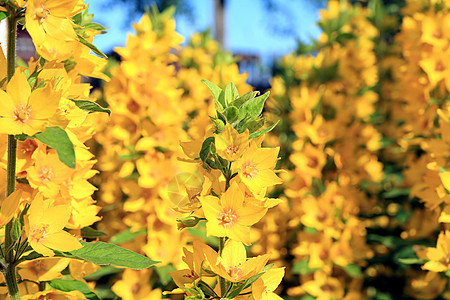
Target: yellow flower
{"points": [[48, 173], [230, 144], [233, 264], [43, 269], [136, 285], [228, 217], [265, 285], [50, 17], [44, 228], [440, 256], [324, 287], [23, 111], [255, 168]]}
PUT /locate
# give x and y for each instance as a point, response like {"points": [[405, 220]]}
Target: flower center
{"points": [[232, 149], [249, 170], [22, 113], [227, 218], [41, 13], [235, 272], [27, 148], [38, 233], [46, 174]]}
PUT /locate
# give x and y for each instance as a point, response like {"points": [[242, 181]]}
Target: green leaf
{"points": [[216, 92], [90, 46], [91, 233], [16, 231], [214, 89], [242, 99], [91, 106], [73, 285], [103, 271], [96, 26], [412, 261], [104, 254], [207, 289], [126, 236], [232, 114], [353, 270], [254, 107], [231, 93], [58, 139], [206, 148], [258, 133]]}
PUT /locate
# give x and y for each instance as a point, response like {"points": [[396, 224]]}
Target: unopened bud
{"points": [[190, 221]]}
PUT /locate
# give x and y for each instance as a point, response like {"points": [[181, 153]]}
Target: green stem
{"points": [[222, 280], [10, 272]]}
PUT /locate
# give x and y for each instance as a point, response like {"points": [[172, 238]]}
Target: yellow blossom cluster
{"points": [[157, 100], [46, 118], [418, 94], [330, 143]]}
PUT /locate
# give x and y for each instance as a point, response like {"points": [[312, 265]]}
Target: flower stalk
{"points": [[10, 270]]}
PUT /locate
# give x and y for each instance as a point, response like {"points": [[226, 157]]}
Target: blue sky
{"points": [[249, 29]]}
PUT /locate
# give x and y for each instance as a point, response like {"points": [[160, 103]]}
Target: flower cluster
{"points": [[45, 166], [236, 172], [158, 99]]}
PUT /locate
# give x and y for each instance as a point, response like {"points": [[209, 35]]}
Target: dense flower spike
{"points": [[45, 120]]}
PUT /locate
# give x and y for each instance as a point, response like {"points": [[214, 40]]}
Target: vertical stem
{"points": [[222, 281], [10, 272]]}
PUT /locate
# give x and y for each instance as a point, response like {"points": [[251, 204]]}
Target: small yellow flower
{"points": [[23, 111], [44, 228], [50, 17], [228, 217], [255, 168], [48, 173], [233, 264], [230, 144]]}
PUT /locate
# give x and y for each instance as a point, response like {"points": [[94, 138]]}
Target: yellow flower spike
{"points": [[255, 168], [228, 217], [9, 207], [265, 285], [50, 17], [23, 111], [44, 228], [230, 144]]}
